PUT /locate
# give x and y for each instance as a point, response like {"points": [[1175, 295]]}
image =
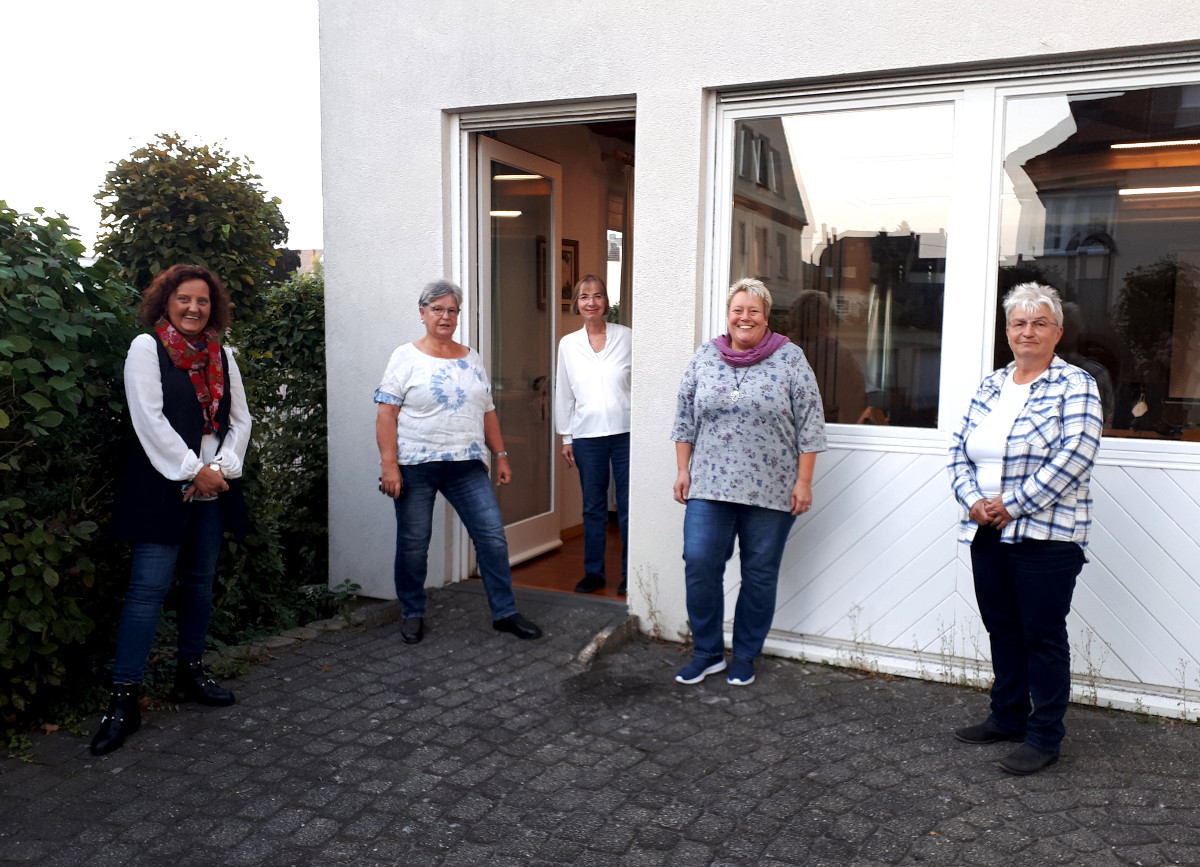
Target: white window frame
{"points": [[979, 101]]}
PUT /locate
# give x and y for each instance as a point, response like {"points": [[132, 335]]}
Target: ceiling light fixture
{"points": [[504, 213], [1156, 191], [1155, 144], [516, 177]]}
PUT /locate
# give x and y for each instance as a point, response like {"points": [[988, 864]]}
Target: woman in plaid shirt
{"points": [[1020, 464]]}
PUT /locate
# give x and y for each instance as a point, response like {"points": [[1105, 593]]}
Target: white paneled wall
{"points": [[874, 576]]}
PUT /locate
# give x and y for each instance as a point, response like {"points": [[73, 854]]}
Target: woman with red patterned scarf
{"points": [[181, 488]]}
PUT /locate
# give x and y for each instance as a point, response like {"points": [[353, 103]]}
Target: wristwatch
{"points": [[216, 468]]}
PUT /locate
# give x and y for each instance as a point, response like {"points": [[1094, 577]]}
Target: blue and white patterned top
{"points": [[1048, 456], [442, 403], [748, 451]]}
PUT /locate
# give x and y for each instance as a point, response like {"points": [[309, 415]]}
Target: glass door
{"points": [[518, 257]]}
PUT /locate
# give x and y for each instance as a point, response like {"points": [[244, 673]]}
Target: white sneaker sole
{"points": [[712, 669], [733, 681]]}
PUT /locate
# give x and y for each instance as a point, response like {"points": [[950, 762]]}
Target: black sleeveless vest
{"points": [[149, 507]]}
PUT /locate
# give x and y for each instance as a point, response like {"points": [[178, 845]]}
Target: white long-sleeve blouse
{"points": [[591, 397], [168, 453]]}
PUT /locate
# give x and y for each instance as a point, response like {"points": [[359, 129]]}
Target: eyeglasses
{"points": [[1038, 324], [439, 312]]}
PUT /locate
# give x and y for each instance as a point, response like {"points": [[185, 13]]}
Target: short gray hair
{"points": [[440, 289], [753, 288], [1028, 297]]}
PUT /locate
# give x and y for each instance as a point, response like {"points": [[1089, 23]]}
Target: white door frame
{"points": [[460, 128]]}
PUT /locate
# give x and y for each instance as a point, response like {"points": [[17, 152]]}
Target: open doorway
{"points": [[583, 200]]}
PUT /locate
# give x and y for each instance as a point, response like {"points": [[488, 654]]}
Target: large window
{"points": [[843, 214], [890, 222], [1101, 200]]}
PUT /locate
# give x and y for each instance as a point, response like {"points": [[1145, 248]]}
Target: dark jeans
{"points": [[709, 530], [593, 456], [468, 489], [154, 568], [1024, 594]]}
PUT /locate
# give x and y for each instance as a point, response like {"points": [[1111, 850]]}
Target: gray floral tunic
{"points": [[747, 451]]}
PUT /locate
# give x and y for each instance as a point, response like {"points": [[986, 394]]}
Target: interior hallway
{"points": [[561, 569]]}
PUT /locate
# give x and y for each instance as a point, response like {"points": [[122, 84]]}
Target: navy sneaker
{"points": [[741, 672], [698, 669]]}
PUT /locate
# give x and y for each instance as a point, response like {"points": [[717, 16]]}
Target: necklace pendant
{"points": [[736, 394]]}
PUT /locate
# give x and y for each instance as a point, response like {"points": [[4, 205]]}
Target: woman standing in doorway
{"points": [[591, 413]]}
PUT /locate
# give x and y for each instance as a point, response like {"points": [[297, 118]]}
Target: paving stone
{"points": [[349, 747]]}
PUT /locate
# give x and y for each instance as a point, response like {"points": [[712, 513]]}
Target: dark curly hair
{"points": [[163, 286]]}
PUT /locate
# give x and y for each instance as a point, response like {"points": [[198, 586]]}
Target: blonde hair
{"points": [[584, 281], [753, 288]]}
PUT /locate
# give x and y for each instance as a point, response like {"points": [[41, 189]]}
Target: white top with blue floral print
{"points": [[442, 403]]}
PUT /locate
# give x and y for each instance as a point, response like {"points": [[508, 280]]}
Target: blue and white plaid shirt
{"points": [[1047, 459]]}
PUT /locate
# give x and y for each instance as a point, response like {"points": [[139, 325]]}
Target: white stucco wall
{"points": [[391, 72]]}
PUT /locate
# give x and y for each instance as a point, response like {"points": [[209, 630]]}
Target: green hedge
{"points": [[65, 328], [64, 331]]}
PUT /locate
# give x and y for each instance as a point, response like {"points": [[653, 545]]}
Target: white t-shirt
{"points": [[591, 397], [442, 403], [986, 444]]}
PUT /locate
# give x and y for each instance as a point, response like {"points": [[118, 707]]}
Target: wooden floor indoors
{"points": [[561, 569]]}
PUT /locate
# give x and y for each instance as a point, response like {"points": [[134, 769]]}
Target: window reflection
{"points": [[1102, 201], [843, 214]]}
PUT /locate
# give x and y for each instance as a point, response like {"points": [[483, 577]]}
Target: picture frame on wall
{"points": [[569, 275]]}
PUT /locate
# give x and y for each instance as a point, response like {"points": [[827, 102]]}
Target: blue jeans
{"points": [[154, 567], [1024, 594], [709, 528], [468, 489], [593, 455]]}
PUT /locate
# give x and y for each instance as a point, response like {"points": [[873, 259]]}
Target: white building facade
{"points": [[888, 170]]}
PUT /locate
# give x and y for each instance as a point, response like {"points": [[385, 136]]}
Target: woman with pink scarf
{"points": [[748, 426]]}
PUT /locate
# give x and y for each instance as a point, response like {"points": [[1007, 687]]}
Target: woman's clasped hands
{"points": [[991, 513]]}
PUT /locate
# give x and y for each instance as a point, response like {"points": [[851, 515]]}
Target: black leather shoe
{"points": [[590, 584], [123, 718], [984, 733], [1026, 760], [193, 684], [518, 626], [623, 589], [412, 629]]}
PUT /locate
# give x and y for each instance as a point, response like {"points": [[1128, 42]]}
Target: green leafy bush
{"points": [[64, 331], [171, 202], [65, 328], [282, 355]]}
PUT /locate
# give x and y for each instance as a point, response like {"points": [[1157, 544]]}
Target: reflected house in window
{"points": [[1103, 202], [769, 217], [847, 228]]}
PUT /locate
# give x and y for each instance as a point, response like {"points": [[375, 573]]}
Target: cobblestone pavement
{"points": [[474, 748]]}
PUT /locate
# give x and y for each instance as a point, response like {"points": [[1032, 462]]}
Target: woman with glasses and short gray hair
{"points": [[435, 426], [1020, 466]]}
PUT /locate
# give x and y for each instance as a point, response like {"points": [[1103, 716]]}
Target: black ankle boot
{"points": [[192, 684], [123, 718]]}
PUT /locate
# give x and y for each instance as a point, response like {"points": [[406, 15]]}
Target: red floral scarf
{"points": [[202, 361]]}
